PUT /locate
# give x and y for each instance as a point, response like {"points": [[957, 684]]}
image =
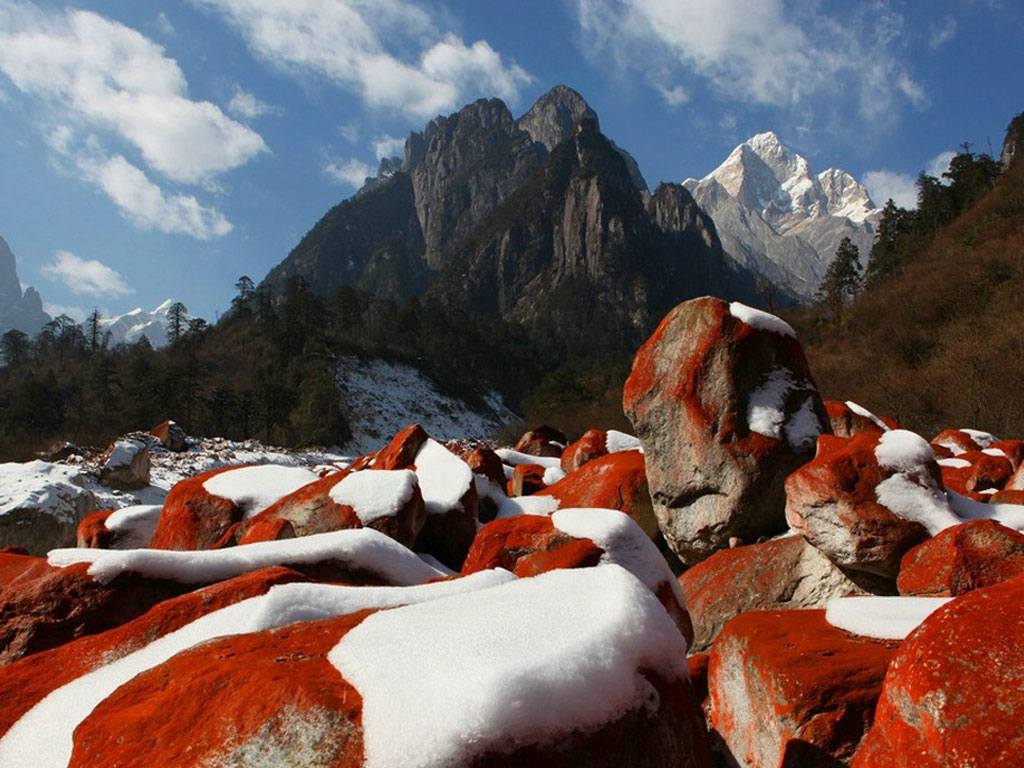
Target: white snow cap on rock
{"points": [[446, 681], [616, 441], [50, 488], [253, 489], [984, 439], [864, 412], [362, 548], [444, 478], [910, 491], [42, 738], [123, 451], [766, 413], [886, 618], [513, 458], [762, 321], [136, 525], [375, 493], [1010, 515]]}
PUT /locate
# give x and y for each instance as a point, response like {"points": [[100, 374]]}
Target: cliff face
{"points": [[21, 311], [1013, 144]]}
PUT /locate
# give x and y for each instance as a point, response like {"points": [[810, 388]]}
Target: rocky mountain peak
{"points": [[551, 119], [10, 287], [17, 310]]}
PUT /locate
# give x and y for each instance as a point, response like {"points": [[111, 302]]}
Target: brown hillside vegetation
{"points": [[942, 343]]}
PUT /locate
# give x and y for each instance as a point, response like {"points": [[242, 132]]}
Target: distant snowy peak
{"points": [[132, 326], [779, 218]]}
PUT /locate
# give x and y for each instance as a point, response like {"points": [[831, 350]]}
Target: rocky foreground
{"points": [[758, 578]]}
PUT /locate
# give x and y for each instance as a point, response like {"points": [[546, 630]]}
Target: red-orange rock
{"points": [[786, 573], [528, 545], [593, 444], [956, 441], [984, 471], [613, 481], [27, 681], [484, 461], [1013, 450], [527, 479], [193, 518], [42, 607], [846, 422], [963, 558], [402, 449], [787, 689], [954, 694], [171, 436], [832, 502], [725, 411], [1016, 482], [536, 444], [1006, 497], [92, 531]]}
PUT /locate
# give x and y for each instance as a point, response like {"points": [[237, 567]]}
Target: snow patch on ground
{"points": [[361, 549], [375, 493], [886, 618], [380, 398], [447, 680]]}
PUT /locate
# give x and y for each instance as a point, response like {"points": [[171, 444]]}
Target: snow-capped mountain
{"points": [[777, 217], [132, 326]]}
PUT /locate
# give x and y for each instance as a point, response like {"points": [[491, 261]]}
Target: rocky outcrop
{"points": [[41, 505], [1013, 144], [125, 465], [18, 311], [725, 410]]}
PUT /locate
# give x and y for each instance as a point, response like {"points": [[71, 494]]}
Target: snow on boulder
{"points": [[613, 481], [41, 505], [619, 441], [126, 528], [377, 494], [355, 556], [725, 409], [591, 445], [125, 465], [957, 441], [113, 715], [883, 618], [575, 667], [785, 573], [963, 558], [954, 694], [789, 689], [848, 419], [30, 680], [450, 497], [864, 501], [42, 606], [253, 489], [972, 473]]}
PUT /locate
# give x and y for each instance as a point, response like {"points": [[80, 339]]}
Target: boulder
{"points": [[1011, 449], [954, 694], [125, 465], [193, 518], [171, 436], [126, 528], [92, 531], [538, 444], [613, 481], [527, 479], [849, 419], [972, 472], [957, 441], [401, 451], [784, 573], [789, 690], [484, 461], [963, 558], [449, 493], [593, 444], [41, 505], [864, 501], [1016, 481], [723, 402]]}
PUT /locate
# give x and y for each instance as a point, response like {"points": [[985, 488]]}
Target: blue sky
{"points": [[156, 150]]}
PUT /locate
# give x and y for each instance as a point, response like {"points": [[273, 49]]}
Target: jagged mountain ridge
{"points": [[19, 310], [778, 218], [131, 326], [521, 219]]}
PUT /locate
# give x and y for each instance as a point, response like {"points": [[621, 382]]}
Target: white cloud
{"points": [[351, 172], [889, 185], [388, 146], [674, 96], [164, 25], [97, 72], [350, 132], [942, 32], [75, 313], [88, 277], [901, 187], [352, 43], [248, 106], [148, 206], [772, 53]]}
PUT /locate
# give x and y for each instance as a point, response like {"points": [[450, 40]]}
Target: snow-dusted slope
{"points": [[132, 326], [779, 218], [381, 398]]}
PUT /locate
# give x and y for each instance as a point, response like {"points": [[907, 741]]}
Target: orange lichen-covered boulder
{"points": [[1011, 449], [954, 694], [527, 479], [92, 531], [591, 445], [42, 606], [614, 481], [957, 441], [972, 472], [542, 441], [779, 574], [848, 421], [193, 518], [402, 450], [789, 690], [866, 500], [723, 403], [963, 558], [26, 682]]}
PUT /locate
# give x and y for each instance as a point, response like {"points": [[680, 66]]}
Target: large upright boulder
{"points": [[723, 402], [41, 505]]}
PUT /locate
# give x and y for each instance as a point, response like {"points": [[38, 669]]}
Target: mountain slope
{"points": [[778, 218]]}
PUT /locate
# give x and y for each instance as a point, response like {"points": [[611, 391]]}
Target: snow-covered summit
{"points": [[132, 326], [780, 218]]}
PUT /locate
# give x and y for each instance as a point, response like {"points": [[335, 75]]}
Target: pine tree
{"points": [[177, 316], [93, 330], [15, 347], [842, 279]]}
